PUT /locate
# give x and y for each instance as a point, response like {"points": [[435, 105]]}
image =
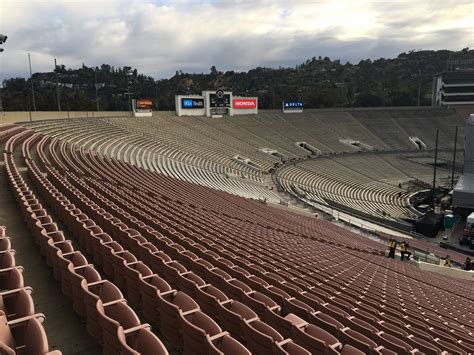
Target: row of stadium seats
{"points": [[21, 327], [328, 179], [202, 150], [109, 318], [259, 255], [168, 160]]}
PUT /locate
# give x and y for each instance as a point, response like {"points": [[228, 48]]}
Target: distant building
{"points": [[453, 88]]}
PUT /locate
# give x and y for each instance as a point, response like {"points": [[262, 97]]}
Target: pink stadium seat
{"points": [[76, 259], [24, 336], [150, 287], [289, 347], [7, 259], [357, 340], [188, 282], [120, 260], [11, 278], [93, 292], [313, 338], [208, 298], [428, 348], [112, 316], [134, 272], [17, 303], [77, 276], [261, 337], [52, 251], [107, 250], [140, 341], [5, 243], [174, 306], [198, 332], [393, 343], [227, 345], [233, 316]]}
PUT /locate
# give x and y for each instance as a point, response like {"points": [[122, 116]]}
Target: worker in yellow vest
{"points": [[392, 245], [447, 261], [404, 250]]}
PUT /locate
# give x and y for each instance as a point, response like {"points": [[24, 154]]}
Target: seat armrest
{"points": [[284, 342], [114, 302], [138, 327], [12, 292], [96, 283], [225, 302], [217, 336], [191, 311], [82, 266], [250, 320], [20, 321]]}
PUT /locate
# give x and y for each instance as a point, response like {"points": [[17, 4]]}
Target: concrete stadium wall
{"points": [[447, 271], [22, 116]]}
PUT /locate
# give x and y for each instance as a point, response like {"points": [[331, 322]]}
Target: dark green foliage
{"points": [[319, 82]]}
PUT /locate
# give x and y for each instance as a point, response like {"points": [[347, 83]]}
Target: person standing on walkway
{"points": [[392, 246], [447, 261]]}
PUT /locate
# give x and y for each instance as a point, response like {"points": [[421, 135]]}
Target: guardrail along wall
{"points": [[21, 116]]}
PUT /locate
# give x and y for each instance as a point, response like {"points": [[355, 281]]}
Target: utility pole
{"points": [[32, 87], [96, 89], [57, 85]]}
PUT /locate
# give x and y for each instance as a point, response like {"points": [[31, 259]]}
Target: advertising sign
{"points": [[142, 107], [144, 104], [190, 103], [243, 103], [292, 106]]}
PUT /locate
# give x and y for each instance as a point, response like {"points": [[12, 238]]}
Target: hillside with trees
{"points": [[320, 82]]}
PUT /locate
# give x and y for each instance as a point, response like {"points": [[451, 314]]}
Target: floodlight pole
{"points": [[1, 98], [156, 94], [129, 100], [434, 173], [96, 90], [57, 85], [31, 80], [419, 87], [454, 156]]}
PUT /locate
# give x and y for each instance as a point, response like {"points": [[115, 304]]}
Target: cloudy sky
{"points": [[160, 37]]}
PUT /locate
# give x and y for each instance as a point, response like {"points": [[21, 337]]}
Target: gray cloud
{"points": [[160, 37]]}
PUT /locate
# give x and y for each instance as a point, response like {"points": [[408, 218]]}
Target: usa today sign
{"points": [[293, 106]]}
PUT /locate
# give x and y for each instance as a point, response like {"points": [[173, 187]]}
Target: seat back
{"points": [[20, 304], [142, 341], [203, 321], [228, 345], [6, 336], [33, 337]]}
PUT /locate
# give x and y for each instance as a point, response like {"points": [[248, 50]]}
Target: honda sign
{"points": [[243, 103]]}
